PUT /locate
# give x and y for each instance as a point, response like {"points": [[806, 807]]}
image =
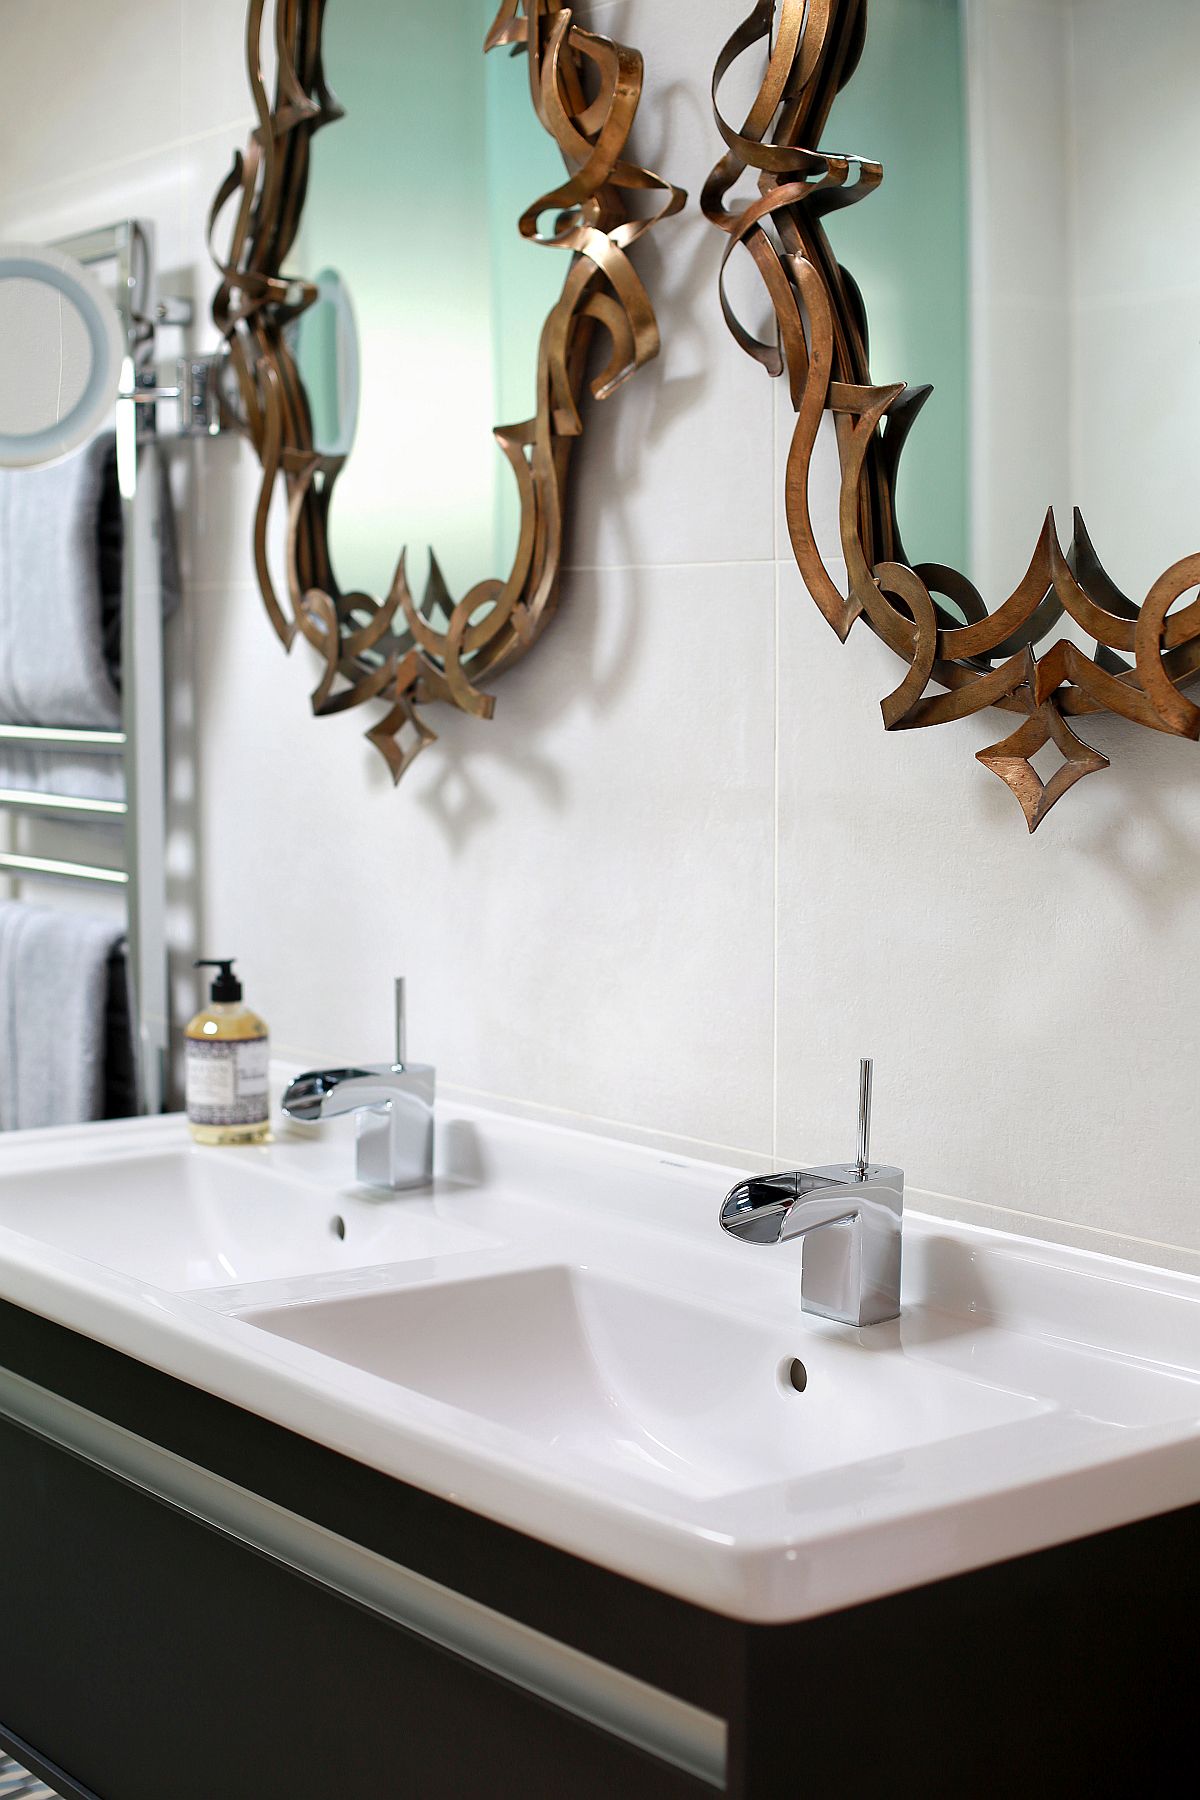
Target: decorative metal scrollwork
{"points": [[585, 90], [1143, 655]]}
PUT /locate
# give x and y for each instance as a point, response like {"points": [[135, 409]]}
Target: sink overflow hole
{"points": [[338, 1226], [794, 1374]]}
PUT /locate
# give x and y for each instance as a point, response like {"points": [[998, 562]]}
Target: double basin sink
{"points": [[558, 1335]]}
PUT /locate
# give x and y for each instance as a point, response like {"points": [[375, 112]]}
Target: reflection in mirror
{"points": [[324, 342], [1019, 256], [414, 199], [61, 347], [47, 358]]}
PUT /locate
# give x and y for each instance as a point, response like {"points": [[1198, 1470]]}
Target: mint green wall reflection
{"points": [[526, 278], [906, 245], [324, 342], [414, 199]]}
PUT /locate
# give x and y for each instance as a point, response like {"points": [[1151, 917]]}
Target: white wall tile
{"points": [[145, 187], [1028, 1000], [548, 882], [679, 463], [215, 85], [87, 85]]}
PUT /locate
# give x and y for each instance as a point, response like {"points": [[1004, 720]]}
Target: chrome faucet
{"points": [[850, 1213], [394, 1104]]}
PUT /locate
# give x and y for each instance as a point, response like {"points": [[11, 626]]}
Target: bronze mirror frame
{"points": [[585, 90], [1144, 654]]}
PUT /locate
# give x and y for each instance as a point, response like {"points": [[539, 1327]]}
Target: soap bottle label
{"points": [[227, 1081]]}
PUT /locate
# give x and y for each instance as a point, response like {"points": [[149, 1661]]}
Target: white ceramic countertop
{"points": [[558, 1336]]}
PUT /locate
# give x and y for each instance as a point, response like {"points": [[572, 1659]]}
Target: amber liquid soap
{"points": [[227, 1054]]}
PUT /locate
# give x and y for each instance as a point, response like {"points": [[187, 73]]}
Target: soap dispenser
{"points": [[228, 1053]]}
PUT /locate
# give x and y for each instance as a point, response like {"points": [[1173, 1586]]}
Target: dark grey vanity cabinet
{"points": [[154, 1659], [149, 1654]]}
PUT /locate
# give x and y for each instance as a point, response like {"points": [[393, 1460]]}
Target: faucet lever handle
{"points": [[865, 1067], [401, 1024]]}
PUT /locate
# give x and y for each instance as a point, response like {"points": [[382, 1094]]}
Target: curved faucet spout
{"points": [[852, 1218], [774, 1208], [851, 1212], [394, 1107], [328, 1093]]}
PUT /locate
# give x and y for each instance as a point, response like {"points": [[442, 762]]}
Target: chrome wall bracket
{"points": [[194, 391]]}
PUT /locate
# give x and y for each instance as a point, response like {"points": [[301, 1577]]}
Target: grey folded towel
{"points": [[65, 1053], [52, 611], [61, 555], [61, 772]]}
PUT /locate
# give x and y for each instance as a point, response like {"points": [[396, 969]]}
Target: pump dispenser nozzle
{"points": [[225, 986]]}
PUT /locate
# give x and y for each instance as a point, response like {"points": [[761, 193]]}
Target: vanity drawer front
{"points": [[148, 1653]]}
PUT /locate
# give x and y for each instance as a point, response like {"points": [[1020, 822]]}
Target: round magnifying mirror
{"points": [[324, 342], [61, 348]]}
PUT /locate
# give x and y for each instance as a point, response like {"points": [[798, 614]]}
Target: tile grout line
{"points": [[775, 787], [775, 894], [732, 562], [545, 1112]]}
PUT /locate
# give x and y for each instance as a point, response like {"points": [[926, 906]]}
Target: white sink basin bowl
{"points": [[558, 1335], [183, 1217], [635, 1380]]}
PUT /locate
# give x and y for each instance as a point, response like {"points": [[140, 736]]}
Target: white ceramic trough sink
{"points": [[558, 1335]]}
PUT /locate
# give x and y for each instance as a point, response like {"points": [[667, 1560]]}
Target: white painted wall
{"points": [[1085, 281], [1019, 129], [683, 879], [1136, 252]]}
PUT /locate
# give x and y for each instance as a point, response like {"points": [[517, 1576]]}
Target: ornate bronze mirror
{"points": [[414, 305], [1032, 296]]}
